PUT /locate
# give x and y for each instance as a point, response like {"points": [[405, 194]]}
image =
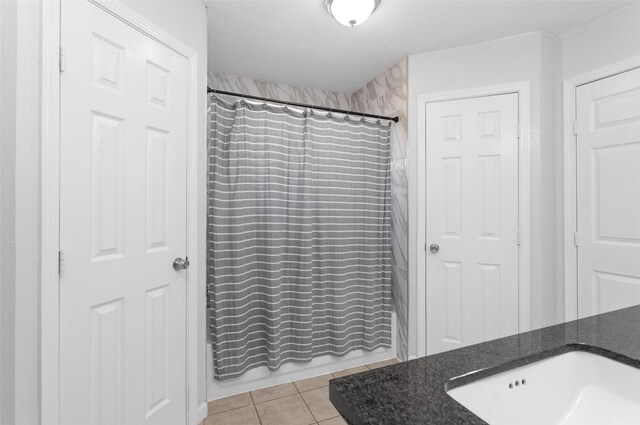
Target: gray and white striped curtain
{"points": [[298, 236]]}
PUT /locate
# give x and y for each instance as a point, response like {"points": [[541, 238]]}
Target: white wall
{"points": [[548, 308], [527, 57], [2, 236], [20, 42], [603, 42], [20, 99], [7, 175]]}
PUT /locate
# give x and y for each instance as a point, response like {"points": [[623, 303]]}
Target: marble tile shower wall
{"points": [[384, 95], [387, 95], [285, 92]]}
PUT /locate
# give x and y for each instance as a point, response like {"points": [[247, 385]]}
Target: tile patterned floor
{"points": [[304, 402]]}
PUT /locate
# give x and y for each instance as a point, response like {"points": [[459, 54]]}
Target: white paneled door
{"points": [[608, 192], [122, 223], [472, 221]]}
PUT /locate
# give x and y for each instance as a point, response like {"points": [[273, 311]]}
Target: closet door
{"points": [[472, 221], [123, 222], [608, 191]]}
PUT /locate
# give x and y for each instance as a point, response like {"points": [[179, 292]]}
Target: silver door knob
{"points": [[180, 264], [434, 248]]}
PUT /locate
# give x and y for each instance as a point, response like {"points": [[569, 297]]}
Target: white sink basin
{"points": [[574, 388]]}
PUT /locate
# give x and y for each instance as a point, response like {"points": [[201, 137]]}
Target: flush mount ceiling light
{"points": [[351, 12]]}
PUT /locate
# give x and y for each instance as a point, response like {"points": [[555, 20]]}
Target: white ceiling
{"points": [[297, 42]]}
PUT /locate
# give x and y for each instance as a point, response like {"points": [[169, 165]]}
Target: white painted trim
{"points": [[570, 207], [50, 303], [417, 185], [570, 191], [50, 215]]}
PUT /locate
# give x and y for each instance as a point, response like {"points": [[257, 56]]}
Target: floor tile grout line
{"points": [[313, 389], [236, 408], [228, 410], [257, 413], [309, 409], [277, 398], [253, 403], [314, 416]]}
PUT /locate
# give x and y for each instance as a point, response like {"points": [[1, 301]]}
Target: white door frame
{"points": [[50, 214], [419, 187], [570, 169]]}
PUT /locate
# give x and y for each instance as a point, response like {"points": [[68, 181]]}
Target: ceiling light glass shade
{"points": [[351, 12]]}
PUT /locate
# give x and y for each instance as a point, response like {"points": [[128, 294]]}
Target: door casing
{"points": [[418, 185], [570, 173], [50, 214]]}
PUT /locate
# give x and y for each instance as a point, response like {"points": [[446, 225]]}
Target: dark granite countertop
{"points": [[414, 392]]}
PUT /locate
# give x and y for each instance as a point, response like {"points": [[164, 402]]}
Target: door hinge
{"points": [[62, 59], [59, 263], [519, 131], [576, 240], [518, 238], [575, 128]]}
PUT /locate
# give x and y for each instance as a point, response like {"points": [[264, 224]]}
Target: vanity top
{"points": [[414, 392]]}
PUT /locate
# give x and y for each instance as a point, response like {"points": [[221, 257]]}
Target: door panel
{"points": [[472, 215], [608, 191], [122, 222]]}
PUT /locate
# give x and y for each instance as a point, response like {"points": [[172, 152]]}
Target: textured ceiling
{"points": [[297, 42]]}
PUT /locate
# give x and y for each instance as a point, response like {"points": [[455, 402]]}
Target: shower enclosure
{"points": [[299, 261]]}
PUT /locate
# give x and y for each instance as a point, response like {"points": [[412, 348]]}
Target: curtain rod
{"points": [[302, 105]]}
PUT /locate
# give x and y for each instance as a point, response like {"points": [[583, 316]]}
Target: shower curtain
{"points": [[298, 236]]}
